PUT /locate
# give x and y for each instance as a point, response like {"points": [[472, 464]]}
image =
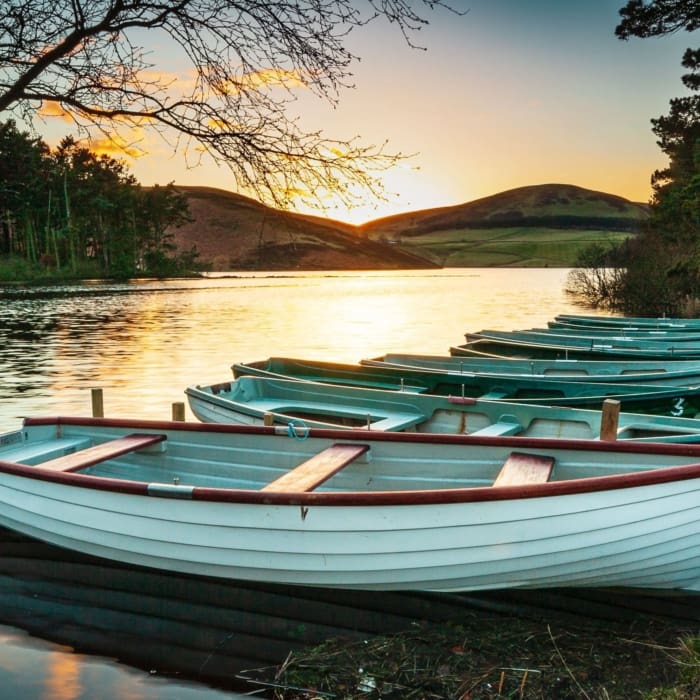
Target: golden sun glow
{"points": [[273, 76], [404, 190], [498, 100]]}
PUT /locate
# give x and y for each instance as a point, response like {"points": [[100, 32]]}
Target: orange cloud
{"points": [[275, 76], [160, 77], [54, 109], [116, 145], [269, 77]]}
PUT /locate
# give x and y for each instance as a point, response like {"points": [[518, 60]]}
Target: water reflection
{"points": [[31, 669], [169, 625], [144, 342], [106, 630]]}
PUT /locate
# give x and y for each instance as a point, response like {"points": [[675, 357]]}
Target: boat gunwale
{"points": [[375, 498], [470, 348], [626, 391], [591, 343], [654, 377]]}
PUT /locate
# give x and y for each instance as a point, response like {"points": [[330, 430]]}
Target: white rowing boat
{"points": [[358, 509]]}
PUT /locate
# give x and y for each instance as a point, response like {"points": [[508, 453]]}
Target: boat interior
{"points": [[279, 460]]}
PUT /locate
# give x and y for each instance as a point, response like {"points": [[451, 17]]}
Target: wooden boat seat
{"points": [[319, 468], [499, 428], [521, 469], [99, 453]]}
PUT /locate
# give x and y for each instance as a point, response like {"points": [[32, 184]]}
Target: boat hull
{"points": [[630, 321], [493, 347], [439, 539], [678, 372], [532, 544], [311, 405], [265, 389]]}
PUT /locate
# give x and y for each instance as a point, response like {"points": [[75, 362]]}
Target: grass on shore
{"points": [[18, 270], [496, 659]]}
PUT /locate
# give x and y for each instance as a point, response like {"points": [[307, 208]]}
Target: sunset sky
{"points": [[514, 93]]}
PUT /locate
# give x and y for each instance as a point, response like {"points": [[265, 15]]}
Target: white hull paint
{"points": [[535, 543], [643, 536]]}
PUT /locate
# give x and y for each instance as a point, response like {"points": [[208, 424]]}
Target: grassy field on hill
{"points": [[507, 247]]}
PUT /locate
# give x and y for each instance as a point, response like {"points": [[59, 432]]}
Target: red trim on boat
{"points": [[380, 498]]}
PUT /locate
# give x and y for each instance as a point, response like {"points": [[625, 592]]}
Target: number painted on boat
{"points": [[678, 407]]}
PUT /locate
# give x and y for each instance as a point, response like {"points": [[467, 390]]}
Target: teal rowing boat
{"points": [[251, 400], [648, 398], [631, 331], [596, 350], [671, 373], [622, 321], [650, 334], [591, 341]]}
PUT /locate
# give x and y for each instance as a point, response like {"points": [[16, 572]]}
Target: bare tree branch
{"points": [[248, 60]]}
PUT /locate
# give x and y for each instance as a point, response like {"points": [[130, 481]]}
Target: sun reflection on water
{"points": [[143, 343]]}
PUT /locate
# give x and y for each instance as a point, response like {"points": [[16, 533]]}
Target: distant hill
{"points": [[539, 225], [232, 232]]}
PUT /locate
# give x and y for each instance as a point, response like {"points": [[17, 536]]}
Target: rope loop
{"points": [[293, 429]]}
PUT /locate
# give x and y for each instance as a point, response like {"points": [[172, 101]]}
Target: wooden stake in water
{"points": [[178, 411], [609, 419], [98, 410]]}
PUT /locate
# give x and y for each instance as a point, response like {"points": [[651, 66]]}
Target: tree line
{"points": [[658, 272], [68, 212]]}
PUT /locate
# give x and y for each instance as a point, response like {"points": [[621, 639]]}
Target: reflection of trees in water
{"points": [[39, 334], [56, 344]]}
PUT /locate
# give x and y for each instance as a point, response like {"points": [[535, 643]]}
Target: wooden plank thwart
{"points": [[319, 468], [521, 469], [100, 453]]}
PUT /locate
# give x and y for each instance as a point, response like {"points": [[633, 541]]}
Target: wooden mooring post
{"points": [[178, 411], [98, 409], [609, 419]]}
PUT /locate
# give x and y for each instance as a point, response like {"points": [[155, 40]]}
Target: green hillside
{"points": [[537, 226], [507, 247], [540, 225]]}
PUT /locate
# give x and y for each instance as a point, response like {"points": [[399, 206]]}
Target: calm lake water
{"points": [[143, 343]]}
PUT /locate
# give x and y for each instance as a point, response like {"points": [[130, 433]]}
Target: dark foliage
{"points": [[647, 19], [72, 213], [662, 267]]}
